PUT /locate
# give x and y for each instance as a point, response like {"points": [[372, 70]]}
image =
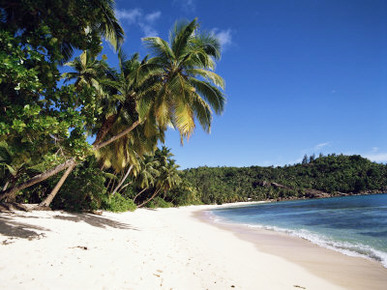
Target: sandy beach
{"points": [[172, 248]]}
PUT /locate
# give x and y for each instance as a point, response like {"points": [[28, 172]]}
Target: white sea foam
{"points": [[347, 248]]}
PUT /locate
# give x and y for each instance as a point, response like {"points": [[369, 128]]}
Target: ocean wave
{"points": [[344, 247]]}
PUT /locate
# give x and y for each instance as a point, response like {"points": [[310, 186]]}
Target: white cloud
{"points": [[130, 16], [322, 145], [151, 17], [148, 30], [137, 17], [376, 156], [224, 36], [186, 5]]}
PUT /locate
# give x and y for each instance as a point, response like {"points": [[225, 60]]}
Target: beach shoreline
{"points": [[350, 272], [149, 249]]}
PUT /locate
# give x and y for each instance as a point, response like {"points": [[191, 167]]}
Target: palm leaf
{"points": [[212, 94]]}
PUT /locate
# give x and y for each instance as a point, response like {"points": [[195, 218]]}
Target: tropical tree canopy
{"points": [[62, 25], [46, 123], [186, 87]]}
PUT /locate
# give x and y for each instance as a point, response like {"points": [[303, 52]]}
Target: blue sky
{"points": [[302, 77]]}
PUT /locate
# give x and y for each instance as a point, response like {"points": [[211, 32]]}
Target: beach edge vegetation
{"points": [[45, 124]]}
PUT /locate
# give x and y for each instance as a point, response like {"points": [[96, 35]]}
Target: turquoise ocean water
{"points": [[353, 225]]}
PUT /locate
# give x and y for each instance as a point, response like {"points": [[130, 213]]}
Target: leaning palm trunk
{"points": [[149, 199], [122, 180], [138, 194], [11, 192], [47, 201]]}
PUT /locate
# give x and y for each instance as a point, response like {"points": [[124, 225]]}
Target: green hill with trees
{"points": [[325, 176]]}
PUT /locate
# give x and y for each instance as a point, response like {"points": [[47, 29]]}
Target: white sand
{"points": [[147, 249]]}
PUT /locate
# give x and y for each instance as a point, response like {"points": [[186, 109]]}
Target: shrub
{"points": [[117, 203], [158, 202], [82, 191]]}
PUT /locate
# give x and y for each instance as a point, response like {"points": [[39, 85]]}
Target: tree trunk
{"points": [[47, 201], [5, 186], [138, 194], [116, 137], [97, 145], [11, 192], [126, 185], [108, 185], [122, 180], [105, 128], [148, 200]]}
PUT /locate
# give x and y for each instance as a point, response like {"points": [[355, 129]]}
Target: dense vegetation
{"points": [[315, 177], [47, 116]]}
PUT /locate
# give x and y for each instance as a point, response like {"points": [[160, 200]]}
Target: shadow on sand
{"points": [[11, 228], [95, 221]]}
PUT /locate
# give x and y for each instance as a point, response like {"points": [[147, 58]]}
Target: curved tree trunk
{"points": [[122, 180], [47, 201], [116, 137], [149, 199], [105, 128], [138, 194], [11, 192]]}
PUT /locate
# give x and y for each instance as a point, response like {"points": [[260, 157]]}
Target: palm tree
{"points": [[147, 174], [187, 87], [88, 71], [168, 176], [175, 87]]}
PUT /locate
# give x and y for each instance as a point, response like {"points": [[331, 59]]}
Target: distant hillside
{"points": [[325, 176]]}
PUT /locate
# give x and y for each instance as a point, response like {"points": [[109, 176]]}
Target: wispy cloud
{"points": [[129, 16], [224, 36], [321, 146], [152, 17], [185, 5], [145, 21], [376, 156]]}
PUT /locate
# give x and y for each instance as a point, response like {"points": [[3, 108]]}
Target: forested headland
{"points": [[325, 176]]}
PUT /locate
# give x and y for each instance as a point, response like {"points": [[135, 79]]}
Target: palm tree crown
{"points": [[187, 87]]}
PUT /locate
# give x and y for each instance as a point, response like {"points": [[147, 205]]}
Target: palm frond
{"points": [[210, 93], [208, 75], [181, 36], [159, 47], [202, 112]]}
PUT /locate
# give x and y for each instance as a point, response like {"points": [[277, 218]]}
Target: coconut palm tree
{"points": [[147, 174], [175, 87], [88, 71], [168, 175], [188, 88]]}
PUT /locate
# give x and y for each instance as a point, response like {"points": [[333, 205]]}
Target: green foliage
{"points": [[42, 122], [84, 190], [117, 203], [183, 194], [315, 177], [158, 202], [189, 89]]}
